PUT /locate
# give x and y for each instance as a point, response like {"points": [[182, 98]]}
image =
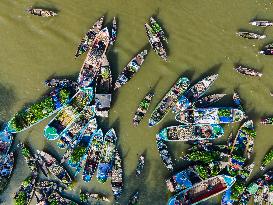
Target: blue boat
{"points": [[194, 93], [107, 156], [62, 121]]}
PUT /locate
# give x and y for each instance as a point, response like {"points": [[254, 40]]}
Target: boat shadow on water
{"points": [[150, 194], [7, 99]]}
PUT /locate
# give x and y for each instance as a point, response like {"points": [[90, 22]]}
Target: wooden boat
{"points": [[55, 82], [247, 71], [57, 126], [203, 190], [56, 198], [75, 129], [191, 132], [206, 155], [113, 31], [169, 100], [49, 164], [242, 147], [89, 37], [44, 189], [91, 128], [117, 176], [103, 93], [210, 115], [142, 108], [164, 154], [208, 100], [29, 157], [250, 35], [134, 199], [130, 70], [244, 141], [158, 29], [6, 168], [93, 156], [267, 121], [97, 196], [155, 42], [107, 156], [182, 180], [140, 165], [41, 110], [261, 23], [6, 140], [26, 190], [81, 148], [196, 91], [267, 159], [41, 12], [212, 169], [94, 59]]}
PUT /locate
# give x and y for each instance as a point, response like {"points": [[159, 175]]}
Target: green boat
{"points": [[142, 108], [169, 100], [25, 193], [58, 125], [41, 110]]}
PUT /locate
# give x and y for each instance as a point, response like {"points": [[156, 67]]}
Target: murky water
{"points": [[201, 41]]}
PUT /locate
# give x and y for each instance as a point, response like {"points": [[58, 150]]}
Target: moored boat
{"points": [[155, 42], [247, 71], [182, 180], [103, 92], [6, 140], [196, 91], [29, 157], [164, 154], [6, 168], [169, 100], [41, 12], [267, 121], [208, 100], [93, 156], [89, 37], [56, 198], [39, 111], [117, 176], [261, 23], [55, 82], [216, 115], [131, 69], [267, 159], [107, 156], [49, 164], [191, 132], [79, 152], [44, 189], [250, 35], [26, 190], [158, 29], [77, 127], [94, 59], [203, 190], [142, 108], [56, 127], [113, 31], [134, 199], [140, 165]]}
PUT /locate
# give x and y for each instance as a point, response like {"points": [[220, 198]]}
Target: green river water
{"points": [[202, 41]]}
